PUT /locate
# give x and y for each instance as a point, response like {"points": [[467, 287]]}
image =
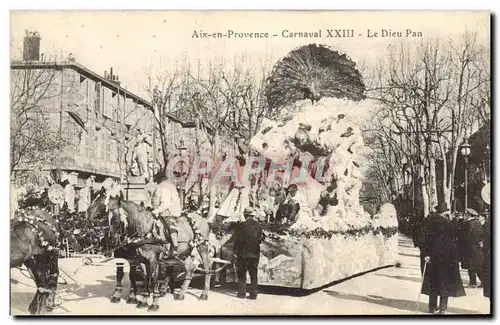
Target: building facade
{"points": [[92, 115]]}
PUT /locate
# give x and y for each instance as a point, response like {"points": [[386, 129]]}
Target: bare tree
{"points": [[426, 95], [224, 99], [35, 139]]}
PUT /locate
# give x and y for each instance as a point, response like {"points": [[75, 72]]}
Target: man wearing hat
{"points": [[486, 254], [248, 236], [473, 248], [440, 251]]}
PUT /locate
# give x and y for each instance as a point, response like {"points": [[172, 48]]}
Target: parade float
{"points": [[315, 94]]}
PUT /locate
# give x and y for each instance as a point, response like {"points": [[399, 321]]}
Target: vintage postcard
{"points": [[250, 162]]}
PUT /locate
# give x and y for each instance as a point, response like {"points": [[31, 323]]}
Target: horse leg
{"points": [[132, 299], [164, 285], [117, 295], [205, 258], [154, 283], [31, 265], [163, 279], [143, 300], [38, 305], [52, 280], [189, 265]]}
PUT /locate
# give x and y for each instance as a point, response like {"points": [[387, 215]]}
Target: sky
{"points": [[132, 41]]}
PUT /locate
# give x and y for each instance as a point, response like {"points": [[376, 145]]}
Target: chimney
{"points": [[31, 47], [111, 77]]}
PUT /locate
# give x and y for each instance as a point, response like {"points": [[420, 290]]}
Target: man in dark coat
{"points": [[462, 231], [439, 246], [472, 259], [418, 235], [248, 236]]}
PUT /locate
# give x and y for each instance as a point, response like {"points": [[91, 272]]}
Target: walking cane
{"points": [[421, 285]]}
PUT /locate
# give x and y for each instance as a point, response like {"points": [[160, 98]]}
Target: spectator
{"points": [[248, 236], [439, 247], [472, 259], [486, 253]]}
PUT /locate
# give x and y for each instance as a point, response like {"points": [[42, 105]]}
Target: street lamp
{"points": [[465, 151]]}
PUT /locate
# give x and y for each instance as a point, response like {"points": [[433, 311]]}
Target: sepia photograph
{"points": [[250, 163]]}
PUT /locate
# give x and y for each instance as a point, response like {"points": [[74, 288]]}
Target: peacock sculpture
{"points": [[313, 72]]}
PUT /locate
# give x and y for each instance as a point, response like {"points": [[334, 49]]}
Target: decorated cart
{"points": [[315, 96]]}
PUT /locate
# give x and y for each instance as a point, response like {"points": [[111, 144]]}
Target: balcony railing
{"points": [[92, 165]]}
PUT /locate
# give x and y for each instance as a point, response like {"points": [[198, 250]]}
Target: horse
{"points": [[34, 239], [139, 224], [98, 209]]}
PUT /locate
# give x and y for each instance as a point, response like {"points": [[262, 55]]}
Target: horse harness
{"points": [[154, 237], [34, 222]]}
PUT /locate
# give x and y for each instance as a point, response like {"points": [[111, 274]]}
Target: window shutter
{"points": [[98, 98], [102, 146], [83, 93], [107, 103]]}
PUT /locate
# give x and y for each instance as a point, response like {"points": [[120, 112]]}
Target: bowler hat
{"points": [[441, 207], [249, 211]]}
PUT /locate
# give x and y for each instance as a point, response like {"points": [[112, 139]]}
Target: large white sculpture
{"points": [[327, 131]]}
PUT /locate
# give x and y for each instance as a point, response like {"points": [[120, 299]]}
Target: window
{"points": [[109, 147], [102, 139], [117, 151], [91, 142], [120, 112], [84, 146]]}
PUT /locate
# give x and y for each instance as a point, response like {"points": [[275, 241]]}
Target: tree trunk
{"points": [[197, 147], [214, 185], [446, 195], [433, 199], [425, 196]]}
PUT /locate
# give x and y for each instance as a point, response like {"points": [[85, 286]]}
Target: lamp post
{"points": [[465, 151], [181, 186], [487, 159]]}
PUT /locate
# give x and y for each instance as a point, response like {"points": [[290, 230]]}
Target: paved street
{"points": [[386, 291]]}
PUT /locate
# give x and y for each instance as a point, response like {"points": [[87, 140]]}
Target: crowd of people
{"points": [[449, 242]]}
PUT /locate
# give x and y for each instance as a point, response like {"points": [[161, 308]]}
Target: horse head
{"points": [[116, 219], [97, 207]]}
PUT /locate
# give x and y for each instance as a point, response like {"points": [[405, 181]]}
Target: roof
{"points": [[96, 77], [84, 71]]}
